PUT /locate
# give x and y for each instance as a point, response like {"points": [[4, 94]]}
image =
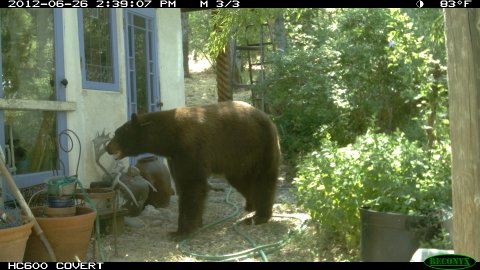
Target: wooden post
{"points": [[462, 28]]}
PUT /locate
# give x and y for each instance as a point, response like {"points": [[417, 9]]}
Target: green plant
{"points": [[440, 241], [384, 172], [299, 95], [348, 70]]}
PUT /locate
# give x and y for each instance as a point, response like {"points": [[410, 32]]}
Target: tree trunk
{"points": [[463, 51], [185, 41], [224, 90], [222, 70]]}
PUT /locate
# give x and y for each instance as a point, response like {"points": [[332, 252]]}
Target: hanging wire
{"points": [[67, 134]]}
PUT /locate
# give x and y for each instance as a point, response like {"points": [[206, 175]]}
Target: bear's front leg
{"points": [[191, 202]]}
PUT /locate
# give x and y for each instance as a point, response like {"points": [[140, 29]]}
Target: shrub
{"points": [[302, 97], [386, 173]]}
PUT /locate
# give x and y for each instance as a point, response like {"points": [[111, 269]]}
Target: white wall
{"points": [[172, 88], [99, 111]]}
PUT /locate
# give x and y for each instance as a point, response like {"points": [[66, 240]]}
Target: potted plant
{"points": [[406, 189], [400, 188], [15, 230]]}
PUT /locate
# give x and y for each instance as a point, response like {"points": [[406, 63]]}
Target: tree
{"points": [[185, 42], [463, 51]]}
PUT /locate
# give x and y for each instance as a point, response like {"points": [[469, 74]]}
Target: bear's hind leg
{"points": [[263, 195], [243, 185]]}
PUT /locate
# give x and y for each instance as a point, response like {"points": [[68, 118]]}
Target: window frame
{"points": [[86, 84]]}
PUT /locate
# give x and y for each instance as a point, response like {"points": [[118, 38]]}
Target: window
{"points": [[31, 65], [98, 46]]}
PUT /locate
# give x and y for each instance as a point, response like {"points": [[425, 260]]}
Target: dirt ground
{"points": [[145, 238]]}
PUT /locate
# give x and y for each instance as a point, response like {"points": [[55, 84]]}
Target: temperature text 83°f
{"points": [[454, 3], [227, 4]]}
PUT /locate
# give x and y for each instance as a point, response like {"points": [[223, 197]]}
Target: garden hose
{"points": [[261, 250], [235, 213]]}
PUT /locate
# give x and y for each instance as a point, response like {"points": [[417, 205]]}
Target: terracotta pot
{"points": [[68, 236], [60, 211], [13, 241], [156, 172]]}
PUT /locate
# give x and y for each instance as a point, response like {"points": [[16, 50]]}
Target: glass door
{"points": [[32, 69], [142, 75]]}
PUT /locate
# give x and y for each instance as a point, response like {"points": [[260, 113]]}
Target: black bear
{"points": [[230, 138]]}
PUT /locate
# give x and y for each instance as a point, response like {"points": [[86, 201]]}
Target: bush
{"points": [[386, 173], [361, 69], [304, 105]]}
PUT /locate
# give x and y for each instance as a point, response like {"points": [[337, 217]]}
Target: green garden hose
{"points": [[261, 250]]}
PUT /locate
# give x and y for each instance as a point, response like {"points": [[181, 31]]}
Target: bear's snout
{"points": [[114, 150], [109, 148]]}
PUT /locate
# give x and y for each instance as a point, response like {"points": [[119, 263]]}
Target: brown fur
{"points": [[230, 138]]}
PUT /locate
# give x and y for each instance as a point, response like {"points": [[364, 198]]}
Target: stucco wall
{"points": [[99, 111], [172, 88]]}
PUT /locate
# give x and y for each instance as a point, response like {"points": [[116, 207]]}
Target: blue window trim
{"points": [[115, 86], [61, 89]]}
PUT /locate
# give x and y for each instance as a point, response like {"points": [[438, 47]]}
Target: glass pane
{"points": [[141, 75], [28, 67], [97, 38], [27, 54], [139, 22], [32, 135]]}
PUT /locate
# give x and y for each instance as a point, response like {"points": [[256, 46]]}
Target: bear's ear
{"points": [[136, 122], [134, 119]]}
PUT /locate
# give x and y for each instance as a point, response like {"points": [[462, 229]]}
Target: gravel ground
{"points": [[145, 238]]}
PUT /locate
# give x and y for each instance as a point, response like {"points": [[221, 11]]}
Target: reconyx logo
{"points": [[450, 261]]}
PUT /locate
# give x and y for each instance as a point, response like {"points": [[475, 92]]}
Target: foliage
{"points": [[301, 99], [429, 24], [386, 173], [440, 241], [348, 70], [199, 25], [417, 72], [211, 31]]}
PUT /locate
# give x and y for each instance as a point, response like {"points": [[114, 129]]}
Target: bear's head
{"points": [[127, 140]]}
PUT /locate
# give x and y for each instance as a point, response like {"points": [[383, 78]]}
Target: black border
{"points": [[243, 265], [193, 5]]}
